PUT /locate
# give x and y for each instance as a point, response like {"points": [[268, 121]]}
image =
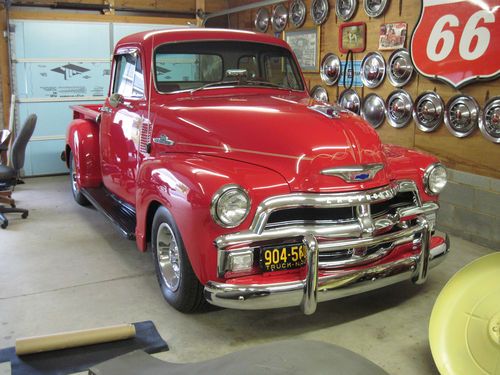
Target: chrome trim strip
{"points": [[229, 149], [249, 238], [337, 285]]}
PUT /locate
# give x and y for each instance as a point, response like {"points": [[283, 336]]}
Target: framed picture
{"points": [[352, 36], [392, 36], [305, 45]]}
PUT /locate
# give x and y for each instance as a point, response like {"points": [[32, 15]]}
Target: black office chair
{"points": [[9, 176]]}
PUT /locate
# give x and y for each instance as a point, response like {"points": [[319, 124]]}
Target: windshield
{"points": [[193, 65]]}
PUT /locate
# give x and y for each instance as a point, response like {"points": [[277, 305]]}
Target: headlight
{"points": [[230, 206], [435, 179]]}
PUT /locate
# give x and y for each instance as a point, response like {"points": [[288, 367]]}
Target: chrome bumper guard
{"points": [[308, 292], [339, 278]]}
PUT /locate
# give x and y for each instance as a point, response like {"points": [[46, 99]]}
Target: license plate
{"points": [[284, 257]]}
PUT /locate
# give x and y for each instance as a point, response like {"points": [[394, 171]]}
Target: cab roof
{"points": [[157, 37]]}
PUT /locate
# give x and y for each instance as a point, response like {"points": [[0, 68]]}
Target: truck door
{"points": [[121, 121]]}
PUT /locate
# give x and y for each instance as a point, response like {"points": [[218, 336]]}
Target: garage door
{"points": [[56, 65]]}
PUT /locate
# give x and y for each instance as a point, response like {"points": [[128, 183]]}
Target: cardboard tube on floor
{"points": [[64, 340]]}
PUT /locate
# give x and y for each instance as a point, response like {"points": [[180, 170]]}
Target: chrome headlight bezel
{"points": [[429, 171], [220, 194]]}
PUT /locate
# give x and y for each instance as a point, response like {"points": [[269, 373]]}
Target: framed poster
{"points": [[305, 45], [392, 36], [352, 36]]}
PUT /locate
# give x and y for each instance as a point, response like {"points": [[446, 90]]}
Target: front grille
{"points": [[345, 254], [311, 215], [337, 215], [389, 207]]}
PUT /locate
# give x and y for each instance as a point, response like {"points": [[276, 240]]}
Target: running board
{"points": [[121, 214]]}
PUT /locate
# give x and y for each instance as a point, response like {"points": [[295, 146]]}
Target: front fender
{"points": [[404, 163], [82, 139], [185, 185]]}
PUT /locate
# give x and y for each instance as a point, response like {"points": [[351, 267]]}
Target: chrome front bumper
{"points": [[338, 283]]}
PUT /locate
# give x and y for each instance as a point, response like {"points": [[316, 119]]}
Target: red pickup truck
{"points": [[251, 194]]}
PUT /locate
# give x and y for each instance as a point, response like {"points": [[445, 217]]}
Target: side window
{"points": [[129, 78]]}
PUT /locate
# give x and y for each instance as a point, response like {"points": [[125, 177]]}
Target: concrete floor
{"points": [[66, 268]]}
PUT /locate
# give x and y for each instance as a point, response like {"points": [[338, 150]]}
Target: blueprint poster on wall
{"points": [[357, 76], [63, 79]]}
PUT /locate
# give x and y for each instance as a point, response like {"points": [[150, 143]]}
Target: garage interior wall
{"points": [[471, 202], [61, 57], [57, 64]]}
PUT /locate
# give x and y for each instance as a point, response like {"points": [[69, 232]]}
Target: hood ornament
{"points": [[355, 173], [328, 110]]}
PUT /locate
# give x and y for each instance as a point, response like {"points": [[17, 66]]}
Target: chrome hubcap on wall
{"points": [[167, 251]]}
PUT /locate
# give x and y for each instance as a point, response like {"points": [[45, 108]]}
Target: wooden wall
{"points": [[472, 154]]}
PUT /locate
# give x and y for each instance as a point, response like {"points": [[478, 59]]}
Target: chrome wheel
{"points": [[169, 262], [74, 185]]}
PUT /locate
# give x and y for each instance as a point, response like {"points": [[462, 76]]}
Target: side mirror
{"points": [[116, 99]]}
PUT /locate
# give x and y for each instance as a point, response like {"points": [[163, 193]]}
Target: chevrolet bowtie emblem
{"points": [[355, 173]]}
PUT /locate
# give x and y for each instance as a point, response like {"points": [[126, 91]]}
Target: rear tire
{"points": [[178, 282], [77, 194]]}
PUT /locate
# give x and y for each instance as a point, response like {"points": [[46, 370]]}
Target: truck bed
{"points": [[86, 111]]}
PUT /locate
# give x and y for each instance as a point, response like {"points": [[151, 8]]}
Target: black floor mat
{"points": [[67, 361]]}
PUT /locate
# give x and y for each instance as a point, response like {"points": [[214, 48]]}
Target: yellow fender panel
{"points": [[464, 330]]}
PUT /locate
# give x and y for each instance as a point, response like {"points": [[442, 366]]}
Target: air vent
{"points": [[399, 108], [146, 130], [428, 111], [462, 115], [489, 123]]}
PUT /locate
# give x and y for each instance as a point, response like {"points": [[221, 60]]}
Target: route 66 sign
{"points": [[457, 41]]}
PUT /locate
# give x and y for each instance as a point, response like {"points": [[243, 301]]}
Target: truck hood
{"points": [[280, 132]]}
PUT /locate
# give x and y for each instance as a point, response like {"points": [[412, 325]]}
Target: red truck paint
{"points": [[266, 140]]}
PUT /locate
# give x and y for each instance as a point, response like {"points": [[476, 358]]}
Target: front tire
{"points": [[178, 283], [77, 194]]}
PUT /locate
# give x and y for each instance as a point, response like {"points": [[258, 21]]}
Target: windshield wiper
{"points": [[240, 83], [265, 83], [212, 84]]}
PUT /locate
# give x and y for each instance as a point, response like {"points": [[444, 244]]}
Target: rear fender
{"points": [[82, 140]]}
